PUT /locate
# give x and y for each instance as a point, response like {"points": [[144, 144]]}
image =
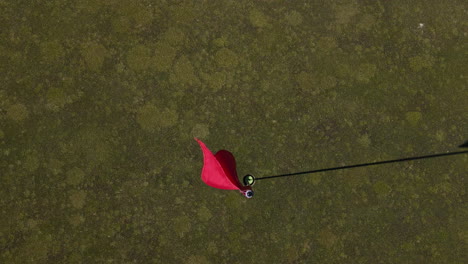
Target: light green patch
{"points": [[138, 58], [408, 246], [174, 36], [204, 214], [366, 72], [212, 248], [382, 189], [92, 144], [291, 254], [94, 55], [2, 134], [142, 16], [307, 82], [37, 247], [151, 118], [178, 200], [17, 112], [226, 58], [325, 44], [215, 81], [443, 187], [200, 131], [293, 18], [31, 224], [78, 198], [183, 14], [258, 19], [232, 200], [55, 166], [440, 135], [57, 99], [100, 152], [75, 176], [413, 117], [327, 82], [132, 16], [182, 225], [164, 56], [52, 51], [420, 62], [197, 259], [121, 24], [356, 177], [364, 140], [345, 12], [185, 183], [76, 219], [31, 161], [315, 179], [315, 84], [183, 73], [366, 22], [327, 238], [148, 117], [90, 6], [221, 42]]}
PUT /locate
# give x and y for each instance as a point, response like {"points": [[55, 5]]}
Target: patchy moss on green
{"points": [[417, 63], [76, 220], [100, 101], [382, 189], [204, 214], [293, 18], [52, 51], [152, 118], [345, 12], [366, 72], [197, 259], [215, 81], [315, 179], [94, 55], [55, 166], [138, 58], [221, 42], [17, 112], [56, 98], [200, 131], [75, 176], [164, 56], [258, 19], [327, 238], [183, 73], [77, 198], [182, 225], [226, 58], [174, 36], [31, 161], [413, 117], [364, 140]]}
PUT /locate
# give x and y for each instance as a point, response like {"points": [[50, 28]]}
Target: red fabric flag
{"points": [[219, 171]]}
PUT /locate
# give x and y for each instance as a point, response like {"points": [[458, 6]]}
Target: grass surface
{"points": [[100, 101]]}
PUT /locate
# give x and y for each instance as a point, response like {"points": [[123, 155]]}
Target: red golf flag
{"points": [[219, 171]]}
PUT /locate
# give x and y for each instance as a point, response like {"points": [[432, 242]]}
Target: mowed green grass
{"points": [[100, 101]]}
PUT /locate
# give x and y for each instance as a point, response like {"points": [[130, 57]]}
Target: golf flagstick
{"points": [[250, 179]]}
